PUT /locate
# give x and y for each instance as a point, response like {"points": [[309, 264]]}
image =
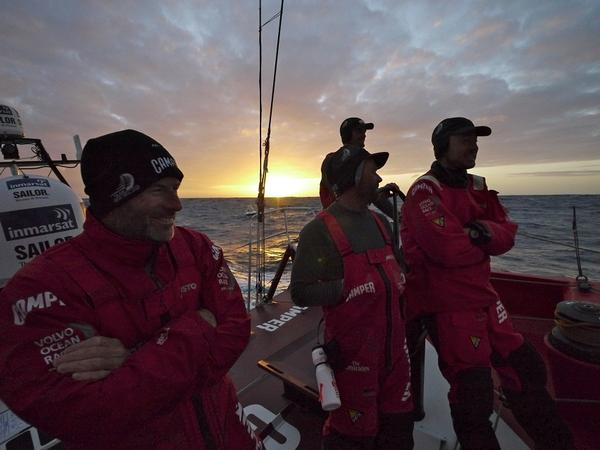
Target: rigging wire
{"points": [[582, 281], [541, 238], [264, 161], [273, 17], [260, 207]]}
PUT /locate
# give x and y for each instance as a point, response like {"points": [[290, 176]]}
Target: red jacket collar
{"points": [[98, 239]]}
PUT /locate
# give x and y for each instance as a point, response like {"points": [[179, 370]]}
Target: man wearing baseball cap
{"points": [[451, 225], [346, 263], [353, 132], [127, 330]]}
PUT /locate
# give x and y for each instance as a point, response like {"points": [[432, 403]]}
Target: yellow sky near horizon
{"points": [[216, 174], [577, 177]]}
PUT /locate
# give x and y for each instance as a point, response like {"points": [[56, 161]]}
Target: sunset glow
{"points": [[528, 69], [289, 186]]}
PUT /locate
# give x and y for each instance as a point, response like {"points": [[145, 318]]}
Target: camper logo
{"points": [[162, 163], [368, 287], [501, 311], [22, 307], [32, 222], [421, 187]]}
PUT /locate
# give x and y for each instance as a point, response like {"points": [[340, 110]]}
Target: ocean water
{"points": [[543, 246]]}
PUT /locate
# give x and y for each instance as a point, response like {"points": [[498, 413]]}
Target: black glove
{"points": [[478, 233]]}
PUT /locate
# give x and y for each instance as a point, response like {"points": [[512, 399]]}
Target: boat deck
{"points": [[281, 342], [275, 375]]}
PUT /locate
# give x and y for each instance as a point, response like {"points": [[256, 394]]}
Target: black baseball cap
{"points": [[341, 166], [455, 126], [352, 123], [118, 166]]}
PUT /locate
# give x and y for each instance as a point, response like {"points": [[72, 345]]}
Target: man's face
{"points": [[462, 152], [369, 181], [149, 215], [358, 136]]}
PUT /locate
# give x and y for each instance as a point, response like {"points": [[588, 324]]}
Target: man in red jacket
{"points": [[451, 225], [346, 263], [353, 132], [122, 337]]}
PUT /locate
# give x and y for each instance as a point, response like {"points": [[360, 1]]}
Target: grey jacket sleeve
{"points": [[318, 271]]}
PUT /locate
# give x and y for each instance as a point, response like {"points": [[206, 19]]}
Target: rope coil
{"points": [[579, 322], [581, 332]]}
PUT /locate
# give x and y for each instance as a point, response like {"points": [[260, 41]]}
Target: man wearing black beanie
{"points": [[118, 170], [129, 329]]}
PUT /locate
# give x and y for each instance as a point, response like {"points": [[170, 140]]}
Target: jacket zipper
{"points": [[209, 441], [165, 317], [201, 417]]}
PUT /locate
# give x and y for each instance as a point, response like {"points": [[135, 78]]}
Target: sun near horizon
{"points": [[520, 179]]}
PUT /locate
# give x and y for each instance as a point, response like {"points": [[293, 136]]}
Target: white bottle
{"points": [[329, 395]]}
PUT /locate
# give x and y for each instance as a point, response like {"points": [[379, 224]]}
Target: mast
{"points": [[264, 162]]}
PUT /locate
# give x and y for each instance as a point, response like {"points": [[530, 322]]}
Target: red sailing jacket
{"points": [[371, 310], [447, 271], [172, 392], [372, 368]]}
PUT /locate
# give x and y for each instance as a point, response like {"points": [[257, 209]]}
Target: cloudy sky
{"points": [[186, 72]]}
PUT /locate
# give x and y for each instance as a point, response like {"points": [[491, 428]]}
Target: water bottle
{"points": [[329, 395]]}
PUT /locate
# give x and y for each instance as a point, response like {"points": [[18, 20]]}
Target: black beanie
{"points": [[118, 166]]}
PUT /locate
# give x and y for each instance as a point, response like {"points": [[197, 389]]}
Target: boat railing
{"points": [[40, 159], [256, 251]]}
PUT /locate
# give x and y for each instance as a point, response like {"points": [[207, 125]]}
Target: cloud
{"points": [[186, 73]]}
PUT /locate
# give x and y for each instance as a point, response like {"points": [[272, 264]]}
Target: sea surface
{"points": [[544, 244]]}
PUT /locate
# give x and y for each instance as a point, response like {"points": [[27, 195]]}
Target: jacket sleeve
{"points": [[502, 230], [317, 272], [436, 230], [222, 296], [39, 315]]}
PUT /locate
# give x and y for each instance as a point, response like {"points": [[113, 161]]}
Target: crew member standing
{"points": [[353, 132], [451, 225], [121, 337], [346, 263]]}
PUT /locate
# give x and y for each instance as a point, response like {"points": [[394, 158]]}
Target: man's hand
{"points": [[478, 233], [207, 316], [92, 359], [388, 190]]}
